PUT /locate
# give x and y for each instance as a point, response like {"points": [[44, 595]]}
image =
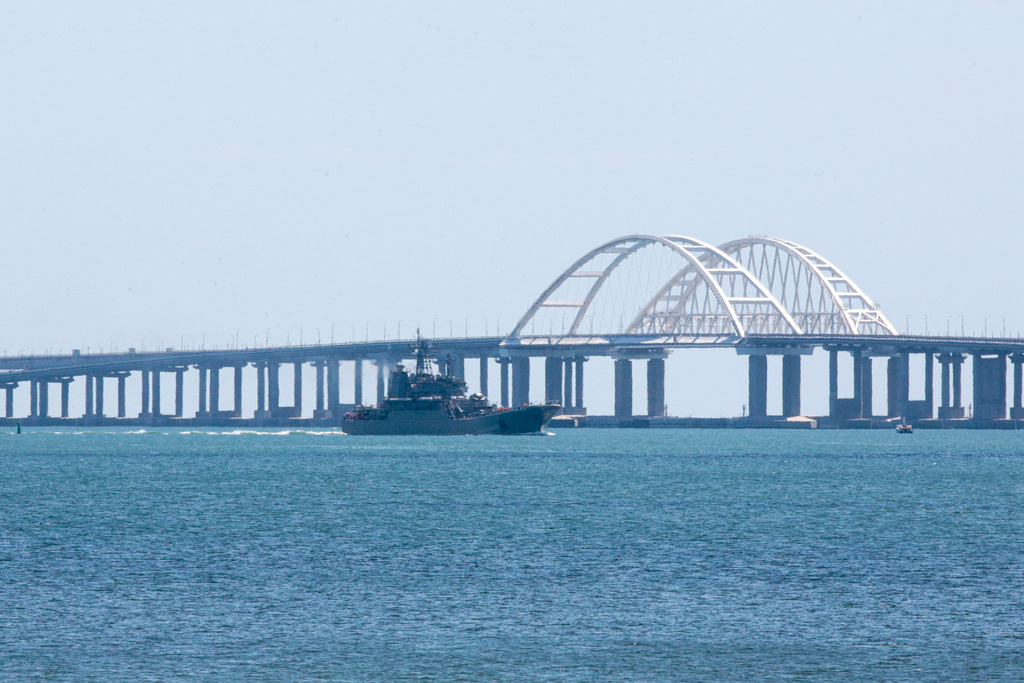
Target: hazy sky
{"points": [[257, 168]]}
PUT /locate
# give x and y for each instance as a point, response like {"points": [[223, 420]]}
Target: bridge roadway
{"points": [[564, 358]]}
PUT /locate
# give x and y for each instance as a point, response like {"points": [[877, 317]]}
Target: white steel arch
{"points": [[708, 292], [820, 297]]}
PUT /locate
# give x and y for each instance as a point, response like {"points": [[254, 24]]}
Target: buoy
{"points": [[19, 428]]}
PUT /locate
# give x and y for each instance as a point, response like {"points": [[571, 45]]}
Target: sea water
{"points": [[719, 555]]}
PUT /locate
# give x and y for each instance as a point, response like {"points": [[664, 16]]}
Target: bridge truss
{"points": [[661, 286]]}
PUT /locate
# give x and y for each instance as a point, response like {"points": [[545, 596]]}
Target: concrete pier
{"points": [[520, 381], [157, 405], [578, 404], [9, 399], [64, 396], [204, 409], [215, 409], [122, 412], [318, 410], [99, 395], [236, 408], [1017, 410], [44, 398], [381, 382], [989, 386], [503, 364], [357, 378], [623, 388], [179, 392], [553, 380], [791, 385], [333, 386], [273, 388], [656, 387], [757, 385], [89, 395], [483, 375], [567, 406], [261, 392], [144, 398]]}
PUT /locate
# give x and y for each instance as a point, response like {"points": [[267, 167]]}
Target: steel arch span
{"points": [[657, 286], [651, 285], [819, 296]]}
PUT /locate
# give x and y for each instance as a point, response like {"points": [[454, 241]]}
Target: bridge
{"points": [[635, 299]]}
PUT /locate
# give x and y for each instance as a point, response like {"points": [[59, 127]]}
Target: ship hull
{"points": [[526, 420]]}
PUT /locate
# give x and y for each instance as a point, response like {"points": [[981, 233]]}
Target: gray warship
{"points": [[423, 402]]}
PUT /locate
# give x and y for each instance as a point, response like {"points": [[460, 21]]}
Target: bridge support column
{"points": [[122, 382], [381, 380], [578, 405], [859, 405], [156, 394], [88, 396], [958, 401], [503, 364], [320, 411], [44, 398], [333, 386], [656, 387], [553, 380], [1017, 411], [989, 387], [929, 385], [520, 381], [757, 385], [261, 391], [64, 391], [623, 388], [214, 392], [203, 411], [790, 385], [833, 382], [357, 396], [567, 405], [297, 389], [483, 375], [99, 395], [9, 399], [179, 392], [144, 411], [898, 385], [273, 388], [237, 407], [858, 382], [33, 398], [867, 394]]}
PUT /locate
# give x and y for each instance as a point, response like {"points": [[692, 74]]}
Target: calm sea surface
{"points": [[584, 555]]}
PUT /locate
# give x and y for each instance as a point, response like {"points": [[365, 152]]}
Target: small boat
{"points": [[904, 428]]}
